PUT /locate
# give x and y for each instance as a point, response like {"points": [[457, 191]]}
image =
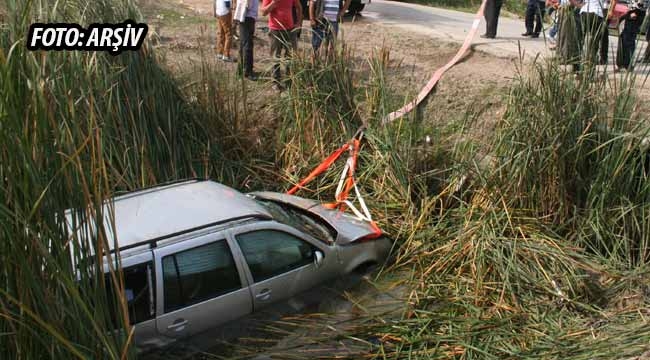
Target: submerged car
{"points": [[197, 254]]}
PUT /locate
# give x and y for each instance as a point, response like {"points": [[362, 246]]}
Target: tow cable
{"points": [[347, 180]]}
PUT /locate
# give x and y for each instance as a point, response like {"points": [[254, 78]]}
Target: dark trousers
{"points": [[534, 14], [282, 41], [627, 41], [246, 32], [646, 56], [492, 10], [297, 29], [596, 37]]}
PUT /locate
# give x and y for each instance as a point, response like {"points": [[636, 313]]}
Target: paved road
{"points": [[454, 25]]}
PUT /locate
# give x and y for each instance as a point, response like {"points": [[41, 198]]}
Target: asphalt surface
{"points": [[453, 26]]}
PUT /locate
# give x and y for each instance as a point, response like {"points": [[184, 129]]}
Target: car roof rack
{"points": [[153, 243], [124, 194]]}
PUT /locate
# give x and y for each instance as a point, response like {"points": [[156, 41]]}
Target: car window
{"points": [[301, 220], [198, 274], [270, 252], [137, 290]]}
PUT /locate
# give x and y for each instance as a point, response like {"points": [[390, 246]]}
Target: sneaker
{"points": [[227, 59], [527, 34], [534, 36], [251, 77]]}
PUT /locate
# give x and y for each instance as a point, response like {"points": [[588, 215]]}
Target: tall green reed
{"points": [[572, 152], [76, 127], [521, 257]]}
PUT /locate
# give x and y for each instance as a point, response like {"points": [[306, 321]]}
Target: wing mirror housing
{"points": [[318, 258]]}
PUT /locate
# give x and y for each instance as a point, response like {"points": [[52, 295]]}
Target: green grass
{"points": [[531, 243], [534, 252]]}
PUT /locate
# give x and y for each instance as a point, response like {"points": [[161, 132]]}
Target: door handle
{"points": [[264, 295], [178, 325]]}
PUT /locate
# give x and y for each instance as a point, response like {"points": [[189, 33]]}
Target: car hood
{"points": [[349, 228]]}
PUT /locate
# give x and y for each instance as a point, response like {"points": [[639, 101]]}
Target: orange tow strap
{"points": [[347, 184], [319, 169], [349, 181]]}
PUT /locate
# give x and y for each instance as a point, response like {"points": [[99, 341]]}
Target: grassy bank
{"points": [[532, 244]]}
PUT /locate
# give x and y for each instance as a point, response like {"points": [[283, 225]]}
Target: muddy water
{"points": [[315, 324]]}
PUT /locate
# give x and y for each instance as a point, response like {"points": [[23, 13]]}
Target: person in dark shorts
{"points": [[281, 26]]}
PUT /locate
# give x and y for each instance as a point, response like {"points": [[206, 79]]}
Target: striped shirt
{"points": [[330, 9]]}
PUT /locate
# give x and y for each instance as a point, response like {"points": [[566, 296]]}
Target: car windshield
{"points": [[301, 220]]}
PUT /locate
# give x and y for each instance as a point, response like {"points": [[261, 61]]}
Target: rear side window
{"points": [[270, 253], [198, 274], [138, 285]]}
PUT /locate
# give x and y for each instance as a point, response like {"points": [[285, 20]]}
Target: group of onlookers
{"points": [[285, 19], [583, 32], [580, 32]]}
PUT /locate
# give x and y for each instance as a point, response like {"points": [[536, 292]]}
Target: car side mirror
{"points": [[318, 258]]}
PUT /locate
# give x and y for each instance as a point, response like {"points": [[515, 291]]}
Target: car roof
{"points": [[169, 210]]}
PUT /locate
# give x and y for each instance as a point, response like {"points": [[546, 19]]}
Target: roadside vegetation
{"points": [[514, 6], [530, 243]]}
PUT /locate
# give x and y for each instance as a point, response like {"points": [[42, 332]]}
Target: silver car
{"points": [[198, 254]]}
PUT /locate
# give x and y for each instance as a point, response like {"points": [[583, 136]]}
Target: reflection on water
{"points": [[315, 324]]}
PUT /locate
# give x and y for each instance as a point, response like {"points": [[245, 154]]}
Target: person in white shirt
{"points": [[246, 14], [595, 31]]}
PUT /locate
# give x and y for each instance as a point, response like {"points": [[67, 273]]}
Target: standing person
{"points": [[224, 29], [246, 14], [595, 31], [281, 25], [492, 11], [298, 15], [646, 55], [627, 40], [324, 17], [534, 15], [569, 33], [552, 6]]}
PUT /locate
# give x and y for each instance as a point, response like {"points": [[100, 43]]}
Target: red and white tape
{"points": [[426, 90]]}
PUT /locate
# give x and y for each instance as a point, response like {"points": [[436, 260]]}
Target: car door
{"points": [[281, 262], [200, 284]]}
